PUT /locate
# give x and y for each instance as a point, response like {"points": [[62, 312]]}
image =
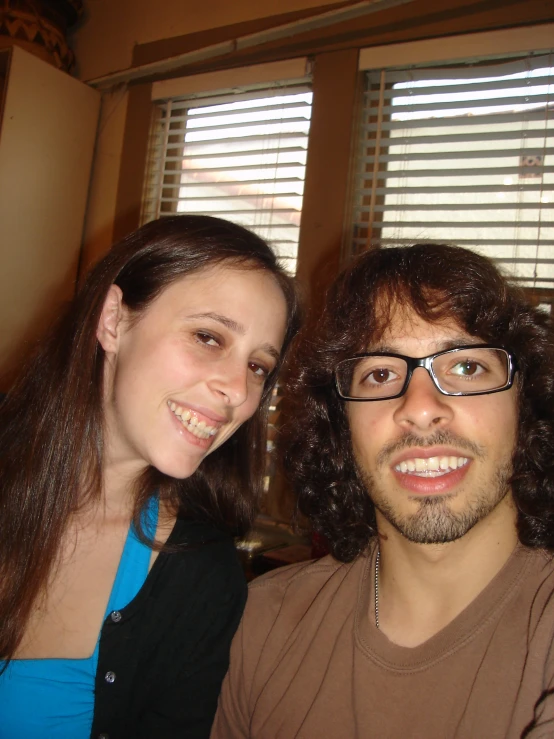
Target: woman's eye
{"points": [[207, 339], [261, 372]]}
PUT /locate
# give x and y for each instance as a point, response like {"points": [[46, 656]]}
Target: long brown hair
{"points": [[438, 282], [51, 423]]}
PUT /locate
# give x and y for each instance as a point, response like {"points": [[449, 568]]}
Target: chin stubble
{"points": [[435, 522]]}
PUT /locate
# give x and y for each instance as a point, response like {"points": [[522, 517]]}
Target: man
{"points": [[422, 449]]}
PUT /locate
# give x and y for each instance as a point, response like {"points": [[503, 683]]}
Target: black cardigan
{"points": [[163, 657]]}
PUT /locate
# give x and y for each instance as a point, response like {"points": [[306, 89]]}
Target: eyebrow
{"points": [[236, 328], [443, 346]]}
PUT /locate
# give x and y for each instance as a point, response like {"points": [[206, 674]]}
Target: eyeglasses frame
{"points": [[426, 362]]}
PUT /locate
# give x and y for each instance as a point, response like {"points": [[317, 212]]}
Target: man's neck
{"points": [[423, 587]]}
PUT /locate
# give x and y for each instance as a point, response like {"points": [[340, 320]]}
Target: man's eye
{"points": [[380, 376], [207, 339], [468, 368]]}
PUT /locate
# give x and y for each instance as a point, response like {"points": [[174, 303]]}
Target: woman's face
{"points": [[181, 379]]}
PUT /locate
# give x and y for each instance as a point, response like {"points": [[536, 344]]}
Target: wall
{"points": [[44, 173], [104, 43]]}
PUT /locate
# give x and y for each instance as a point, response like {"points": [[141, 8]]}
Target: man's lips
{"points": [[432, 466], [416, 452], [430, 471]]}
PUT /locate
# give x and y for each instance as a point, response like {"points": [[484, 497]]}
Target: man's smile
{"points": [[431, 466]]}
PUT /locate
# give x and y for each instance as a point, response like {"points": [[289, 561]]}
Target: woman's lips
{"points": [[198, 427]]}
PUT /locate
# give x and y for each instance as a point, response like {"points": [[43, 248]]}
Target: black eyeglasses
{"points": [[475, 369]]}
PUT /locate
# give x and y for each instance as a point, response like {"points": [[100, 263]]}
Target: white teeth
{"points": [[197, 428], [431, 466]]}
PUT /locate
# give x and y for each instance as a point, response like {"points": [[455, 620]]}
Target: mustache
{"points": [[439, 438]]}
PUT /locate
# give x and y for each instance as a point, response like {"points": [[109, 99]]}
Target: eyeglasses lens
{"points": [[460, 371], [471, 371]]}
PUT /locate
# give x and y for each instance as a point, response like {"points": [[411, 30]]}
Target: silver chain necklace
{"points": [[376, 585]]}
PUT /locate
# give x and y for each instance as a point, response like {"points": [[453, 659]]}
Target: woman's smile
{"points": [[192, 422]]}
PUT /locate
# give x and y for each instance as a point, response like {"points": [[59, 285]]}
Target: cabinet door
{"points": [[48, 128]]}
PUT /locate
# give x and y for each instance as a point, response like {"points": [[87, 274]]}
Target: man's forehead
{"points": [[400, 324]]}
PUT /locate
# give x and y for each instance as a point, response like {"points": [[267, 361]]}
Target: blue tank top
{"points": [[54, 698]]}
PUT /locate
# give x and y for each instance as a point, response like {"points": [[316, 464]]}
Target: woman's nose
{"points": [[230, 379]]}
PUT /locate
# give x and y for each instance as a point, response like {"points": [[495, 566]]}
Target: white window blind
{"points": [[461, 154], [239, 156]]}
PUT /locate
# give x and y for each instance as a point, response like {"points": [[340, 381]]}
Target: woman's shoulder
{"points": [[204, 555], [195, 534]]}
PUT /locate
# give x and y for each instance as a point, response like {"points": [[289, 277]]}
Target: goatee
{"points": [[434, 521]]}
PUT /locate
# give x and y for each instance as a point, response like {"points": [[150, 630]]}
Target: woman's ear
{"points": [[109, 328]]}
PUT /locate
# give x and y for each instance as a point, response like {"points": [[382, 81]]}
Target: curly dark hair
{"points": [[439, 282]]}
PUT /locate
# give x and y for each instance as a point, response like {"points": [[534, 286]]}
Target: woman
{"points": [[131, 450]]}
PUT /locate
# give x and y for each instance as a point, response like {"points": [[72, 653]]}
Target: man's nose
{"points": [[423, 406]]}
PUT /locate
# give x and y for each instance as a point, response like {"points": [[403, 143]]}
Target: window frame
{"points": [[165, 181]]}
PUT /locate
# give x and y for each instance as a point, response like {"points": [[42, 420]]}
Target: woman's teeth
{"points": [[432, 466], [190, 421]]}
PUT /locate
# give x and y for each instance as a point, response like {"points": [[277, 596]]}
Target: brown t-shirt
{"points": [[307, 661]]}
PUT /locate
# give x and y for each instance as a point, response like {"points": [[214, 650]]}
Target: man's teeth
{"points": [[190, 421], [432, 466]]}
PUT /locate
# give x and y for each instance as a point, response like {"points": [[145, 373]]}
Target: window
{"points": [[239, 156], [462, 154]]}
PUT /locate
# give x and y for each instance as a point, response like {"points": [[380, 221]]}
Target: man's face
{"points": [[434, 465]]}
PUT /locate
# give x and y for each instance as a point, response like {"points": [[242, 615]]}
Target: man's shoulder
{"points": [[304, 575], [539, 572], [304, 592], [538, 581], [290, 607]]}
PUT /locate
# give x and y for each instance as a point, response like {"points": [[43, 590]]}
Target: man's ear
{"points": [[109, 328]]}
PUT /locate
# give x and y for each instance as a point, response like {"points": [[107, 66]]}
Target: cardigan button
{"points": [[116, 616], [109, 677]]}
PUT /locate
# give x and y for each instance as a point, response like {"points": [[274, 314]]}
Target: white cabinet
{"points": [[48, 126]]}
